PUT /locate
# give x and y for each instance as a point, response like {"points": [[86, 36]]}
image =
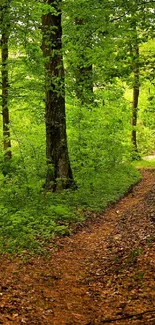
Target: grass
{"points": [[144, 163]]}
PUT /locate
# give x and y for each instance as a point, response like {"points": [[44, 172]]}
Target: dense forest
{"points": [[78, 109]]}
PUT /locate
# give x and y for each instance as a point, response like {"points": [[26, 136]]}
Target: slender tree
{"points": [[84, 70], [59, 173], [78, 45], [136, 86], [5, 31], [133, 27]]}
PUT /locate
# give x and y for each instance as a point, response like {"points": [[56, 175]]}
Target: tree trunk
{"points": [[134, 116], [59, 173], [5, 83], [84, 85], [83, 71], [136, 89]]}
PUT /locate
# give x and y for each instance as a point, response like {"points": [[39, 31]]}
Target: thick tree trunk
{"points": [[84, 71], [5, 83], [59, 173]]}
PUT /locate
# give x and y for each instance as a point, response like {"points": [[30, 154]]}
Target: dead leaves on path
{"points": [[105, 273]]}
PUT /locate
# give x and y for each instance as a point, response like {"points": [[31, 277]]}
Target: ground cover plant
{"points": [[30, 217]]}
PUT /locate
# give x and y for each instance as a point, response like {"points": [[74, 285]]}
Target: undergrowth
{"points": [[144, 163], [30, 216]]}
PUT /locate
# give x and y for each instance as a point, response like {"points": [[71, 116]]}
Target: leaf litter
{"points": [[103, 273]]}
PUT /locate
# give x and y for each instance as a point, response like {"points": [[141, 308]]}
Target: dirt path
{"points": [[104, 272]]}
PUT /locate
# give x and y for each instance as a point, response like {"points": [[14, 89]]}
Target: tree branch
{"points": [[137, 316]]}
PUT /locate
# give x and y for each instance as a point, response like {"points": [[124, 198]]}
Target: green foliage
{"points": [[99, 136], [144, 163], [105, 187], [29, 216], [98, 146], [98, 132]]}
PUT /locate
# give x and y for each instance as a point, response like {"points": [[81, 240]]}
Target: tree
{"points": [[136, 86], [78, 46], [133, 22], [5, 31], [83, 71], [59, 173]]}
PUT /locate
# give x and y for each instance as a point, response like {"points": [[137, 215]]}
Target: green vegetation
{"points": [[30, 217], [82, 86], [144, 163]]}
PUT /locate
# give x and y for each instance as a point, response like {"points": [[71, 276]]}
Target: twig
{"points": [[110, 320]]}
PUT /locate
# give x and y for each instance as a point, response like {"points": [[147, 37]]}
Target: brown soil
{"points": [[105, 273]]}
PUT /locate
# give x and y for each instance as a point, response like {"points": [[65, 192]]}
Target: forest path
{"points": [[106, 271]]}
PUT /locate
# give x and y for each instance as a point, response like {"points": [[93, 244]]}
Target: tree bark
{"points": [[59, 173], [83, 71], [5, 79], [134, 115], [136, 89]]}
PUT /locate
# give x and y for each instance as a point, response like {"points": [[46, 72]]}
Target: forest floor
{"points": [[104, 273]]}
